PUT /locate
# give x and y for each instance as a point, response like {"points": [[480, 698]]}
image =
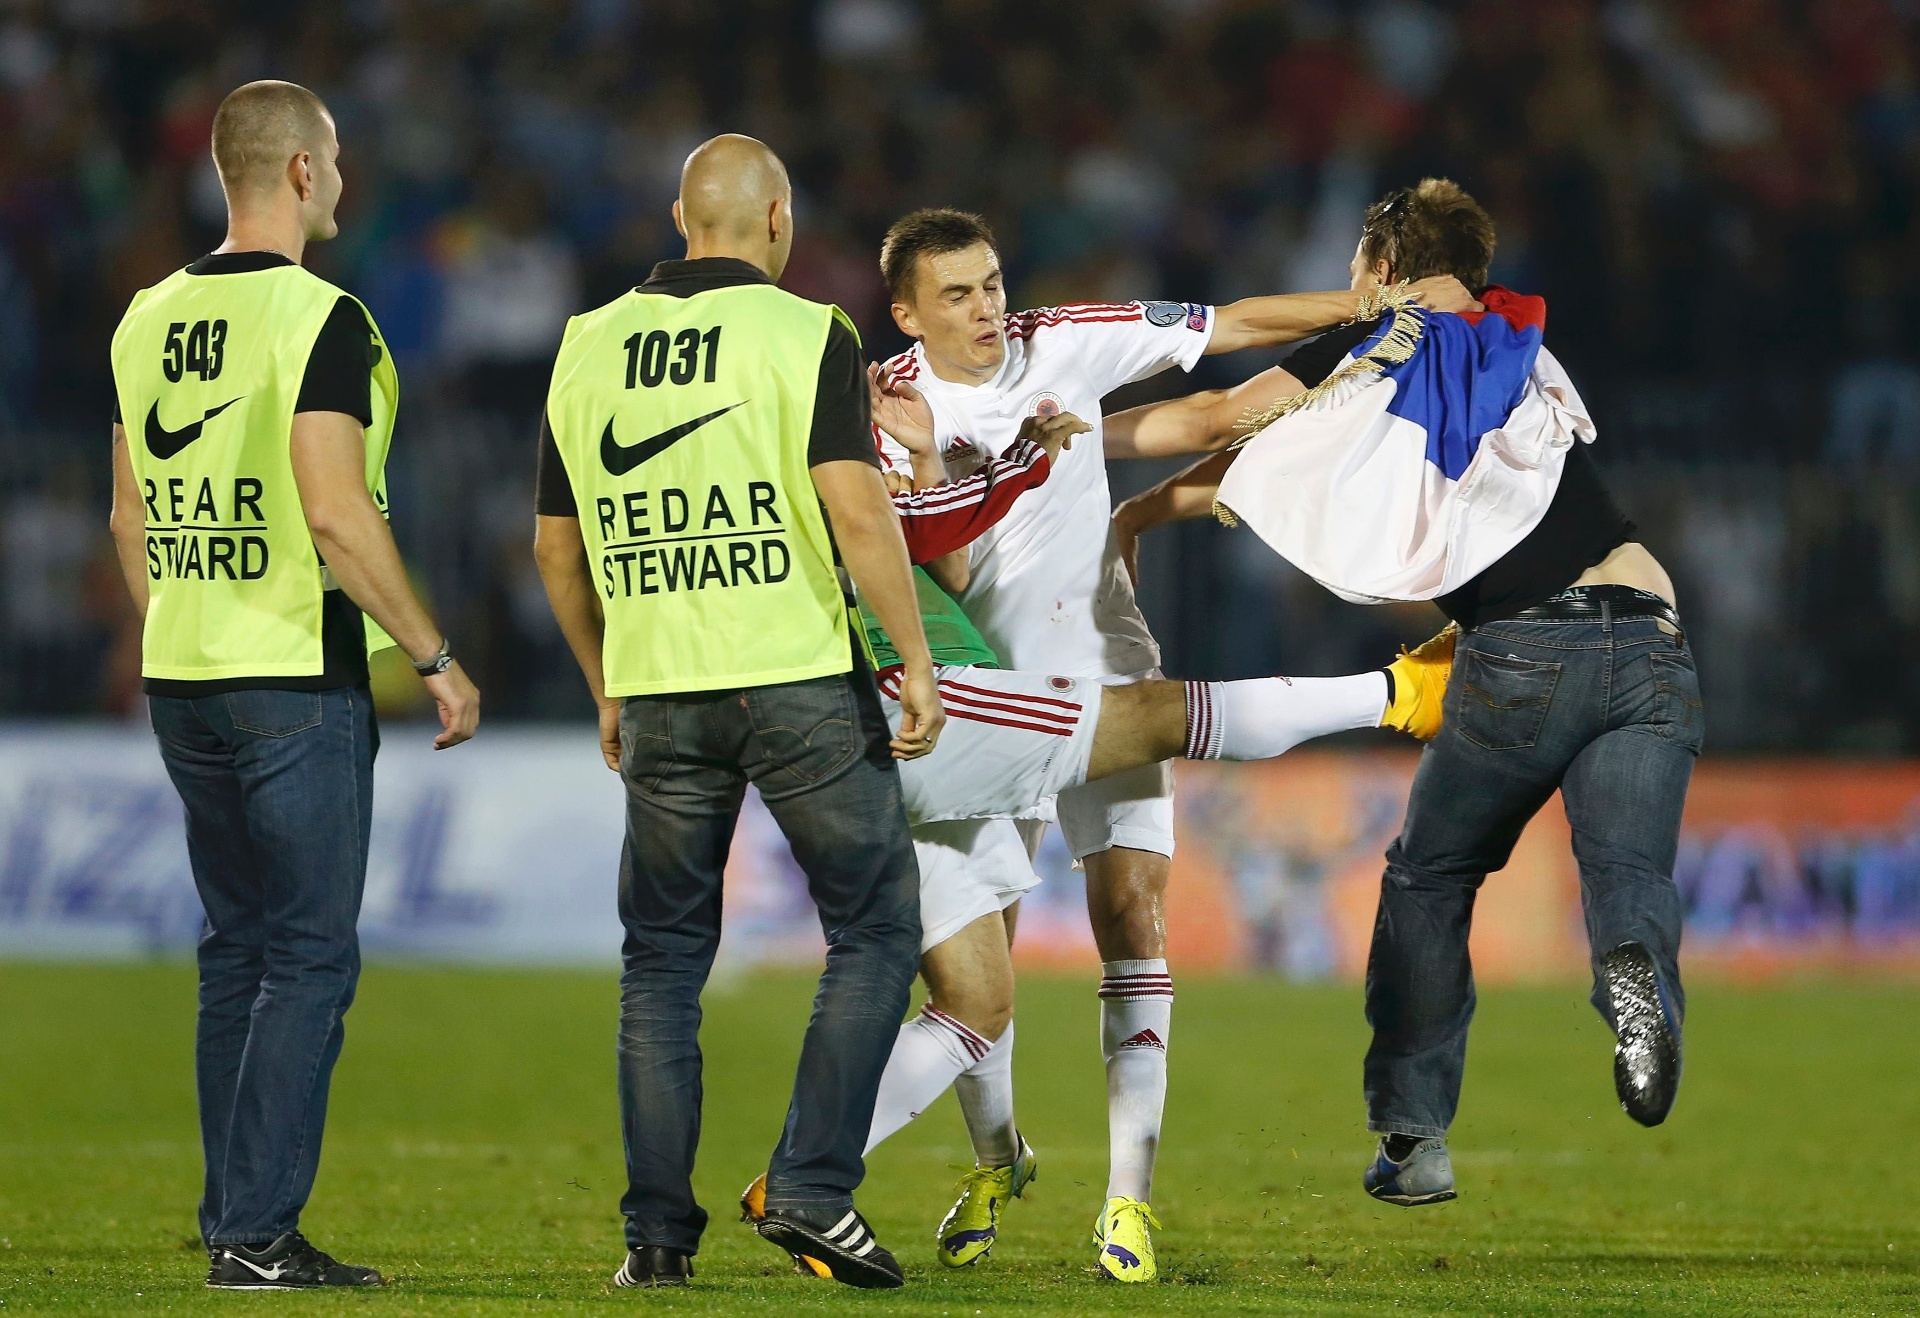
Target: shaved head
{"points": [[736, 200], [262, 126], [728, 184]]}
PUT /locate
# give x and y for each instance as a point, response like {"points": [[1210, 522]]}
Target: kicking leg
{"points": [[1145, 722]]}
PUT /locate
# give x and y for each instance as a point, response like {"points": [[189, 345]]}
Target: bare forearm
{"points": [[876, 558], [1184, 497], [929, 469], [358, 546], [1199, 423], [569, 582], [875, 553], [1267, 322], [128, 521]]}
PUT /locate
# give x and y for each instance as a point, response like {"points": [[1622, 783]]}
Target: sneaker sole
{"points": [[1415, 1200], [843, 1267], [268, 1286], [1641, 1023]]}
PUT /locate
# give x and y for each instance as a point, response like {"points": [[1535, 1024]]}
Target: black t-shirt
{"points": [[841, 431], [1582, 524], [339, 378]]}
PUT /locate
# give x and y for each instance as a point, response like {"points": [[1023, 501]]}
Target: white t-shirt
{"points": [[1049, 591]]}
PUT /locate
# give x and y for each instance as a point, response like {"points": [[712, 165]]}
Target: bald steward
{"points": [[736, 200], [261, 127]]}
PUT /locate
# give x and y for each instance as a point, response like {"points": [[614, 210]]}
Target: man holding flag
{"points": [[1412, 456]]}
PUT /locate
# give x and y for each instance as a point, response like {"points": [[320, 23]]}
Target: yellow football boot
{"points": [[1125, 1241], [972, 1225], [753, 1207], [1420, 685]]}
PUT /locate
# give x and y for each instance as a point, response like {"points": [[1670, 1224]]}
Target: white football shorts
{"points": [[1132, 809], [968, 868], [1012, 740]]}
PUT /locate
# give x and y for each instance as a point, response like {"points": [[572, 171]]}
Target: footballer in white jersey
{"points": [[1048, 590]]}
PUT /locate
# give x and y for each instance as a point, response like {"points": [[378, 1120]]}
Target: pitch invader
{"points": [[1049, 594], [1014, 739]]}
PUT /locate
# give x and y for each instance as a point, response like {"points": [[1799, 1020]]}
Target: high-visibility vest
{"points": [[208, 369], [683, 423]]}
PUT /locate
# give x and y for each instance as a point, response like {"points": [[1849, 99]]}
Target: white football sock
{"points": [[986, 1098], [1268, 716], [1136, 1012], [930, 1050]]}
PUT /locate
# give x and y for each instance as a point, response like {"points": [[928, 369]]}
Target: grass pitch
{"points": [[473, 1154]]}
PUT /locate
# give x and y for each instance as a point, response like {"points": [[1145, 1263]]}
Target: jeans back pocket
{"points": [[273, 713], [1678, 714], [808, 729], [1502, 701]]}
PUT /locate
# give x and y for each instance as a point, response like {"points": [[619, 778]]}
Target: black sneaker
{"points": [[287, 1264], [1646, 1056], [654, 1265], [839, 1238]]}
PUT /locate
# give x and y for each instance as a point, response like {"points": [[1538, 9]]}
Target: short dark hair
{"points": [[260, 126], [932, 231], [1431, 228]]}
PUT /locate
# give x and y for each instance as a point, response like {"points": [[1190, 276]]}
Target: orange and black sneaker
{"points": [[753, 1211]]}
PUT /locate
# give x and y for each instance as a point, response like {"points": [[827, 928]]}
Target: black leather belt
{"points": [[1597, 603]]}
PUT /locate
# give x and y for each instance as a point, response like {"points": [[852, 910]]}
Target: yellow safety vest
{"points": [[207, 369], [683, 424]]}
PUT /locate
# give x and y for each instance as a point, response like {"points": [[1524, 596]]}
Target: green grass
{"points": [[474, 1154]]}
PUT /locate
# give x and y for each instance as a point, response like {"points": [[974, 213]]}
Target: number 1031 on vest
{"points": [[654, 357]]}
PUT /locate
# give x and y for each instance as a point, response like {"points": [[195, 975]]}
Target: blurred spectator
{"points": [[511, 283], [1720, 200], [50, 539]]}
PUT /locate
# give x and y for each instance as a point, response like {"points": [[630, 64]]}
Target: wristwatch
{"points": [[439, 663]]}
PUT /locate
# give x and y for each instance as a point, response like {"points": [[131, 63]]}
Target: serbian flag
{"points": [[1433, 449]]}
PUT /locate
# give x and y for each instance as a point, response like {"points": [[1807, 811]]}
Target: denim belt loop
{"points": [[1606, 617]]}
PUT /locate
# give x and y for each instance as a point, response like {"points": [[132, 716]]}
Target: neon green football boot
{"points": [[1122, 1233], [971, 1226]]}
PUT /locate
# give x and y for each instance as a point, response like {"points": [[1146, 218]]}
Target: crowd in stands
{"points": [[1720, 200]]}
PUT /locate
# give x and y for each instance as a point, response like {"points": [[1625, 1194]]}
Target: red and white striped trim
{"points": [[1005, 709], [1023, 324], [1126, 988], [976, 1046], [903, 366], [1204, 729]]}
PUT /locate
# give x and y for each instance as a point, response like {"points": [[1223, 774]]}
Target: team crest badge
{"points": [[1061, 684], [1046, 405]]}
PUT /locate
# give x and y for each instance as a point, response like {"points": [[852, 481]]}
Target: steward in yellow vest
{"points": [[254, 405], [707, 450]]}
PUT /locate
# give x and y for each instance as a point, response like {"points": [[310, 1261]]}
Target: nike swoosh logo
{"points": [[619, 459], [164, 443], [265, 1275]]}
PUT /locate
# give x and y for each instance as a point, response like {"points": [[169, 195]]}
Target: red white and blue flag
{"points": [[1432, 450]]}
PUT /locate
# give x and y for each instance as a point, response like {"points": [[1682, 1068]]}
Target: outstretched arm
{"points": [[1199, 423], [1268, 322], [1185, 497]]}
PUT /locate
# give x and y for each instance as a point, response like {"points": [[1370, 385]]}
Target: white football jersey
{"points": [[1049, 591]]}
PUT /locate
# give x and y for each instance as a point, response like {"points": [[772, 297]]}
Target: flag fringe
{"points": [[1395, 346]]}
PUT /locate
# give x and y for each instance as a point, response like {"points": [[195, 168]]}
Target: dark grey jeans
{"points": [[278, 787], [817, 752], [1607, 712]]}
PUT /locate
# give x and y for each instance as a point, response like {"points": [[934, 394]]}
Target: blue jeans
{"points": [[817, 752], [278, 788], [1607, 712]]}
